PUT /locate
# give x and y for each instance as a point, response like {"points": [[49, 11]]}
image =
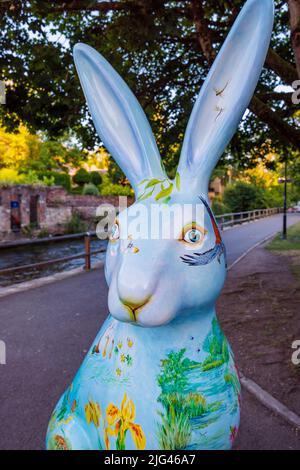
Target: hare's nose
{"points": [[134, 288]]}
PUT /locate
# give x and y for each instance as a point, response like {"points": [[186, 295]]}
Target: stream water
{"points": [[24, 255]]}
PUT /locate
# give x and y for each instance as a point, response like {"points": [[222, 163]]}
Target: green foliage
{"points": [[291, 243], [43, 233], [191, 404], [28, 230], [9, 176], [90, 189], [160, 61], [115, 174], [108, 188], [81, 177], [95, 178], [28, 159], [75, 224], [59, 179], [218, 206], [174, 432], [172, 378], [242, 197], [217, 347]]}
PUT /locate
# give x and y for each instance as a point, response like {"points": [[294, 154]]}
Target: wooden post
{"points": [[87, 249]]}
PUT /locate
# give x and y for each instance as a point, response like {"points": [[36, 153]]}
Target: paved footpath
{"points": [[48, 331]]}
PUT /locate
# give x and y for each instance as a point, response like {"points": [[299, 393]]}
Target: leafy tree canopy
{"points": [[25, 152], [163, 49]]}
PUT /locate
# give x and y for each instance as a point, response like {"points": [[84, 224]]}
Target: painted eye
{"points": [[193, 235], [115, 232]]}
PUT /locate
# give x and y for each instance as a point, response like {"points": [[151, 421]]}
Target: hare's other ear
{"points": [[119, 119], [226, 94]]}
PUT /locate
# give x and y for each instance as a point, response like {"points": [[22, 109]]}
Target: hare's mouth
{"points": [[134, 310]]}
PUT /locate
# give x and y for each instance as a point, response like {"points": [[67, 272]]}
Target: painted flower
{"points": [[120, 344], [119, 421], [123, 357], [129, 342], [58, 442], [92, 413], [118, 372], [112, 414]]}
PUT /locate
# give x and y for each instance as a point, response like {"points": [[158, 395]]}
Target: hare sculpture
{"points": [[160, 373]]}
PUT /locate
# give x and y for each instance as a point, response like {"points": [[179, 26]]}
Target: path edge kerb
{"points": [[43, 281]]}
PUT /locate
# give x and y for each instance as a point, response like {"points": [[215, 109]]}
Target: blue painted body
{"points": [[160, 373]]}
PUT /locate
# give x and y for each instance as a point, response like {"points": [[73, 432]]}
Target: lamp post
{"points": [[284, 233], [285, 181]]}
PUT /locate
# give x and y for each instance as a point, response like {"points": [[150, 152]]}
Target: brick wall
{"points": [[55, 206]]}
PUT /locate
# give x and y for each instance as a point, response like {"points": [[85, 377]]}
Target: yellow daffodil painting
{"points": [[93, 413], [119, 421]]}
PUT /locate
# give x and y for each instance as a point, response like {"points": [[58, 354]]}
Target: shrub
{"points": [[218, 207], [51, 178], [111, 189], [115, 173], [62, 179], [43, 233], [242, 197], [82, 177], [90, 190], [9, 176], [75, 224], [95, 178], [31, 178]]}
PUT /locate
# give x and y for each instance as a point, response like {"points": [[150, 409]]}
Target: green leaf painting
{"points": [[177, 181], [165, 192]]}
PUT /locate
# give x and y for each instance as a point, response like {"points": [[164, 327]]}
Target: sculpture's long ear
{"points": [[226, 94], [118, 117]]}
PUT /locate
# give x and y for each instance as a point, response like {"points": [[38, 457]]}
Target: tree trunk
{"points": [[294, 8], [202, 29]]}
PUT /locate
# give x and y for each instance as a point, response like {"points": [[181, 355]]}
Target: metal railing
{"points": [[224, 220], [237, 218], [86, 254]]}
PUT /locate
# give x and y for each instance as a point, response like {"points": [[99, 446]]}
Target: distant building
{"points": [[216, 188]]}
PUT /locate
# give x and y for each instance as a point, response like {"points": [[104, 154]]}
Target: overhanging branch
{"points": [[281, 67], [270, 117]]}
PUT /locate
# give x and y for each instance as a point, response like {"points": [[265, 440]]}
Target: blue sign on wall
{"points": [[14, 204]]}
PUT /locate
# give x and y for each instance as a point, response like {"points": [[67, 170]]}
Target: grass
{"points": [[290, 247], [291, 243], [175, 431]]}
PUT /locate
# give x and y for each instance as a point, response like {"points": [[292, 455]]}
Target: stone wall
{"points": [[54, 208], [3, 221]]}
